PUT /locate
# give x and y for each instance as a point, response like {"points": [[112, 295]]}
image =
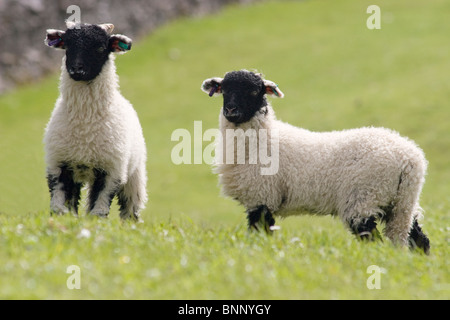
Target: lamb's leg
{"points": [[130, 203], [260, 218], [64, 191], [418, 239], [128, 209], [406, 208], [365, 229], [133, 195], [101, 193], [74, 197]]}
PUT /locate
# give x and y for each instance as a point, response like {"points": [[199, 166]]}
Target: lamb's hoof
{"points": [[261, 219], [418, 239], [58, 210], [135, 216], [366, 230], [370, 236], [99, 213]]}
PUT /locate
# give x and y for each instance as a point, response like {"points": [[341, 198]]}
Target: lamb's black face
{"points": [[243, 95], [87, 50]]}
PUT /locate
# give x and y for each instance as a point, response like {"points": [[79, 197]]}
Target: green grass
{"points": [[193, 244]]}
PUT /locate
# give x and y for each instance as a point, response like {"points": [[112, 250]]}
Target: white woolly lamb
{"points": [[94, 135], [359, 175]]}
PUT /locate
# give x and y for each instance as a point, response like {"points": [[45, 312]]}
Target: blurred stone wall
{"points": [[24, 57]]}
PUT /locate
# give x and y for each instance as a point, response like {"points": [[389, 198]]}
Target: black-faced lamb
{"points": [[360, 175], [94, 136]]}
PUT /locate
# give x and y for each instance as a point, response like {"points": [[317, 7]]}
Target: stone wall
{"points": [[23, 55]]}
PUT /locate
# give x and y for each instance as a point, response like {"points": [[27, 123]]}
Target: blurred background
{"points": [[23, 59]]}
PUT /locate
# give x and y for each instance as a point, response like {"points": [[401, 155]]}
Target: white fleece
{"points": [[95, 126], [351, 173]]}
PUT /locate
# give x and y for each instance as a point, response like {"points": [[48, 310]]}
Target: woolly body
{"points": [[358, 174], [95, 126], [353, 174], [94, 135]]}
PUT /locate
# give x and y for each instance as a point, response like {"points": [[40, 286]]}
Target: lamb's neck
{"points": [[89, 97]]}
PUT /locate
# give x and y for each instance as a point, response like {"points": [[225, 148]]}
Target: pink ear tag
{"points": [[213, 90], [54, 42]]}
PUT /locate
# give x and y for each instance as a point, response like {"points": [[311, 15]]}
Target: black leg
{"points": [[102, 192], [127, 209], [97, 187], [65, 184], [123, 201], [260, 217], [75, 197], [418, 239], [366, 230], [52, 181]]}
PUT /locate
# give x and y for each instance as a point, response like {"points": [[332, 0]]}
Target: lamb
{"points": [[359, 175], [94, 136]]}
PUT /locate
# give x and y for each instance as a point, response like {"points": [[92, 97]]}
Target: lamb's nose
{"points": [[76, 69], [230, 109]]}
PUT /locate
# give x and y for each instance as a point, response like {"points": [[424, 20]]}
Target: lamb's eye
{"points": [[254, 93], [100, 49]]}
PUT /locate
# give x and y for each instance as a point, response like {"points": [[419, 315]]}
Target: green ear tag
{"points": [[124, 46], [275, 91]]}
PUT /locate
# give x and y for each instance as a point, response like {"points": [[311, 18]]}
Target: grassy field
{"points": [[193, 243]]}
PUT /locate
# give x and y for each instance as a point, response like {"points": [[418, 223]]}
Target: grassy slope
{"points": [[335, 73]]}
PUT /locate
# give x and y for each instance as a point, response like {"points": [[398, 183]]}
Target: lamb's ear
{"points": [[272, 89], [72, 24], [54, 39], [108, 27], [119, 43], [212, 86]]}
